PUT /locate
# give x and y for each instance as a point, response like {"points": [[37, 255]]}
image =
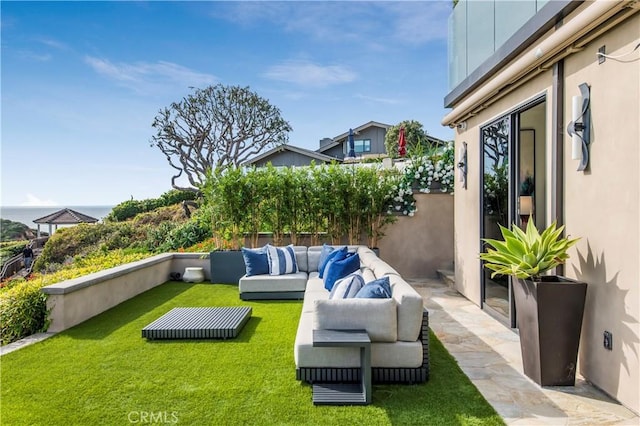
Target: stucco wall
{"points": [[74, 301], [420, 245], [602, 205]]}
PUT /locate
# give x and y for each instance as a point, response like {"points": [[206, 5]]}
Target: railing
{"points": [[11, 266], [14, 264]]}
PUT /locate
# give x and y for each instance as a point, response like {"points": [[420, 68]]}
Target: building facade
{"points": [[513, 94]]}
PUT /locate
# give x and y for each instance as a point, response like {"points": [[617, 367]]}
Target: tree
{"points": [[214, 128], [414, 135]]}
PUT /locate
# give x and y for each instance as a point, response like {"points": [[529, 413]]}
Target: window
{"points": [[359, 146]]}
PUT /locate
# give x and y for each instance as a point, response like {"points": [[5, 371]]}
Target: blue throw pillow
{"points": [[337, 269], [376, 289], [324, 252], [339, 253], [282, 260], [255, 261]]}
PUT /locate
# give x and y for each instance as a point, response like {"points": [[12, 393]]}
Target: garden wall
{"points": [[420, 245], [74, 301]]}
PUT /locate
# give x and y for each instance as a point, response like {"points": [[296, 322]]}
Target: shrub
{"points": [[10, 249], [157, 235], [23, 311], [425, 168], [175, 196], [185, 235], [70, 242], [330, 200], [131, 208]]}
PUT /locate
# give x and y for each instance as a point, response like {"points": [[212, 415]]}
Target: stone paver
{"points": [[489, 354], [29, 340]]}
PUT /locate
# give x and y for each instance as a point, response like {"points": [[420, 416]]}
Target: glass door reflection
{"points": [[495, 201]]}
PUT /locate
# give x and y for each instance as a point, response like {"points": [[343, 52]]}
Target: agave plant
{"points": [[527, 254]]}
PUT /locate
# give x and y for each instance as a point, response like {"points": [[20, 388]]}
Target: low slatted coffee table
{"points": [[199, 323]]}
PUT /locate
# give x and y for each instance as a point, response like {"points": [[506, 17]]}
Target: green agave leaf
{"points": [[496, 244], [518, 233], [515, 247], [500, 259], [532, 234], [530, 259]]}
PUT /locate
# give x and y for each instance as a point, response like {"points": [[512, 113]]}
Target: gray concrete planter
{"points": [[227, 267], [549, 315]]}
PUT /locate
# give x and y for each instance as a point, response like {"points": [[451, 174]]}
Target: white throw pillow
{"points": [[282, 260], [347, 287]]}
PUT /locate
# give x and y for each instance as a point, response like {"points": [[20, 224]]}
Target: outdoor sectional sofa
{"points": [[398, 327]]}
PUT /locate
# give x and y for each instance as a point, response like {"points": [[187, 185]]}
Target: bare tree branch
{"points": [[216, 127]]}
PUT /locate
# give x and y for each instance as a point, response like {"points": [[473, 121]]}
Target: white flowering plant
{"points": [[425, 172]]}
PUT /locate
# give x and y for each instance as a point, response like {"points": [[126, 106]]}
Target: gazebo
{"points": [[63, 217]]}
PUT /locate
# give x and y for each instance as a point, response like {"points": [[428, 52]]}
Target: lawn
{"points": [[103, 372]]}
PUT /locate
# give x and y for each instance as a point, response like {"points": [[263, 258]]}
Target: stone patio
{"points": [[489, 354]]}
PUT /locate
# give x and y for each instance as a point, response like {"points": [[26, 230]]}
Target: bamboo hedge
{"points": [[328, 201]]}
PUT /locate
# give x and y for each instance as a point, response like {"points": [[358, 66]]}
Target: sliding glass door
{"points": [[513, 189]]}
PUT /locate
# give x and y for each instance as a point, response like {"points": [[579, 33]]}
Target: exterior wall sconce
{"points": [[580, 127], [462, 165]]}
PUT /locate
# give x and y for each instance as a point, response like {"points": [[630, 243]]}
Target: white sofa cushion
{"points": [[270, 283], [410, 308], [301, 258], [377, 316], [367, 274], [389, 355], [313, 257], [315, 291]]}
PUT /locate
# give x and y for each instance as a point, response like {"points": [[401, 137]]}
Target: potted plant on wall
{"points": [[549, 308]]}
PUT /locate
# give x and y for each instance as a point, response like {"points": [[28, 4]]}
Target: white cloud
{"points": [[146, 77], [37, 57], [54, 43], [419, 22], [305, 73], [388, 101], [33, 201], [414, 22]]}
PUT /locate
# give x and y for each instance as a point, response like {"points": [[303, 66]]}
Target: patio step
{"points": [[448, 277]]}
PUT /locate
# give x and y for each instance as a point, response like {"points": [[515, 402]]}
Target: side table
{"points": [[345, 393]]}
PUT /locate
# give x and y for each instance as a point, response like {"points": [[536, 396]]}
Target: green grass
{"points": [[103, 372]]}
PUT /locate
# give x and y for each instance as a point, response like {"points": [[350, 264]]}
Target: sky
{"points": [[81, 82]]}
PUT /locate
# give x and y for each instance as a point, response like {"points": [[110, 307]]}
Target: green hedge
{"points": [[129, 209], [23, 309], [331, 200]]}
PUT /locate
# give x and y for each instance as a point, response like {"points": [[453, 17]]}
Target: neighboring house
{"points": [[288, 155], [514, 70], [368, 143]]}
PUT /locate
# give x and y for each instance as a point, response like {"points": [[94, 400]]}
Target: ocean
{"points": [[27, 215]]}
